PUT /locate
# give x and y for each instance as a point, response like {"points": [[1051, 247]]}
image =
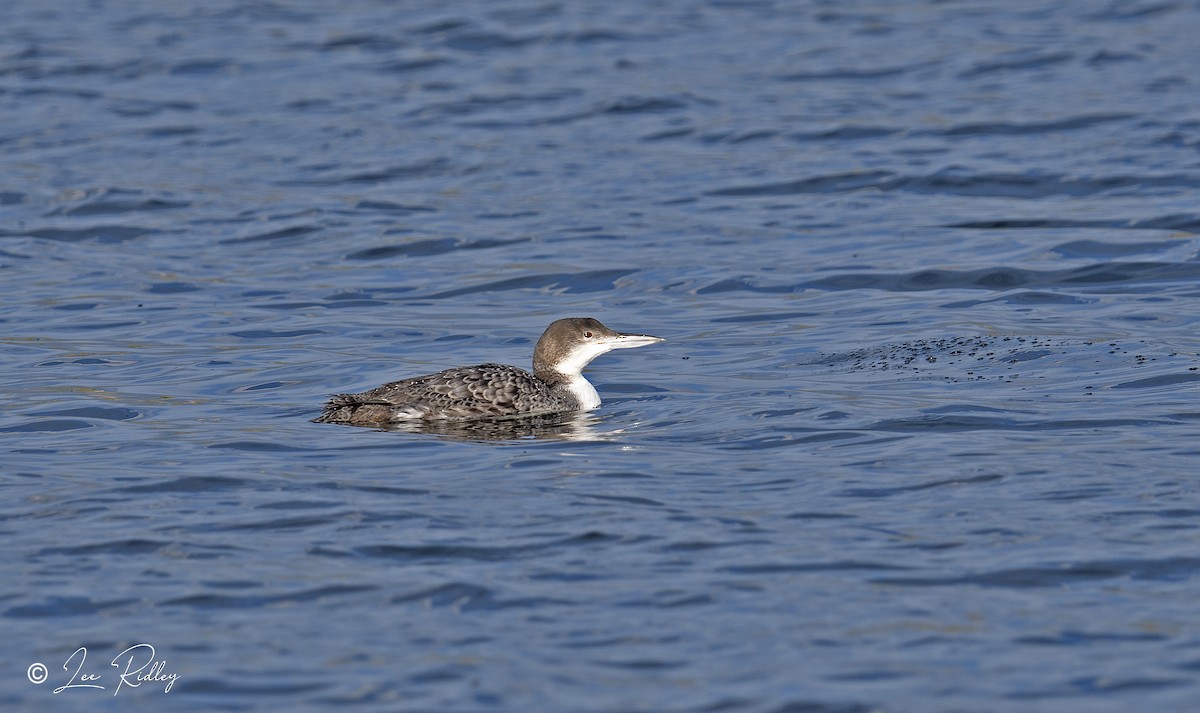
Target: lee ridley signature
{"points": [[140, 666]]}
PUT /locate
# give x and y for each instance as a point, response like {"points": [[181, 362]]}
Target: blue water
{"points": [[923, 435]]}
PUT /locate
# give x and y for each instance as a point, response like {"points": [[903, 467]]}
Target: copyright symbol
{"points": [[37, 673]]}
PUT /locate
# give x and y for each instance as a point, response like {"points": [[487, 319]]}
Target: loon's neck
{"points": [[579, 388]]}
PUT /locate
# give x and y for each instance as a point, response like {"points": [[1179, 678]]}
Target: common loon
{"points": [[494, 390]]}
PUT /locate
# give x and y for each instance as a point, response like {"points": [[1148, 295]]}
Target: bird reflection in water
{"points": [[547, 427]]}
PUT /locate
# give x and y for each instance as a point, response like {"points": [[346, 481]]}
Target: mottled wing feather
{"points": [[487, 390]]}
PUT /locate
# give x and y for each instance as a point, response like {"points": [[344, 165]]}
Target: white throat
{"points": [[584, 392]]}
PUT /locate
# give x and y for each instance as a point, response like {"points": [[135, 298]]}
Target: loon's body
{"points": [[556, 384]]}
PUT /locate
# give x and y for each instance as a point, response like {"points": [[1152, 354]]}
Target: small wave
{"points": [[98, 233], [996, 278], [956, 182], [295, 231], [1186, 223], [578, 282], [116, 201], [1039, 61], [427, 248], [1175, 569]]}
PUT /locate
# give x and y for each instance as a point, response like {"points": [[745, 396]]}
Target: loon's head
{"points": [[570, 344]]}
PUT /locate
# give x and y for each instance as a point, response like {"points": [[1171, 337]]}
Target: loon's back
{"points": [[483, 391]]}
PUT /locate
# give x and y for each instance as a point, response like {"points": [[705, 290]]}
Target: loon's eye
{"points": [[588, 335]]}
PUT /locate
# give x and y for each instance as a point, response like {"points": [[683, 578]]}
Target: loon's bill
{"points": [[556, 385]]}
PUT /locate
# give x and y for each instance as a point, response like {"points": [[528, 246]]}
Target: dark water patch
{"points": [[188, 484], [141, 108], [426, 248], [463, 552], [438, 26], [622, 106], [995, 278], [1100, 249], [1124, 12], [809, 437], [1185, 223], [423, 169], [491, 102], [764, 317], [959, 183], [644, 664], [171, 288], [107, 413], [101, 233], [229, 601], [117, 202], [1098, 685], [131, 546], [72, 93], [954, 423], [846, 73], [1024, 297], [666, 599], [847, 133], [276, 524], [470, 597], [705, 545], [795, 567], [738, 137], [56, 607], [1037, 61], [629, 499], [646, 105], [831, 183], [1022, 128], [203, 67], [92, 326], [393, 208], [266, 386], [592, 36], [570, 283], [48, 426], [259, 447], [669, 134], [221, 687], [1172, 569], [374, 489], [475, 41], [336, 304], [275, 333], [413, 64], [295, 231], [1103, 57], [369, 41], [888, 492], [1024, 186], [507, 215], [1158, 381], [1077, 638], [297, 505]]}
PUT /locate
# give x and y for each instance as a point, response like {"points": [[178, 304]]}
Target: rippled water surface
{"points": [[924, 434]]}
